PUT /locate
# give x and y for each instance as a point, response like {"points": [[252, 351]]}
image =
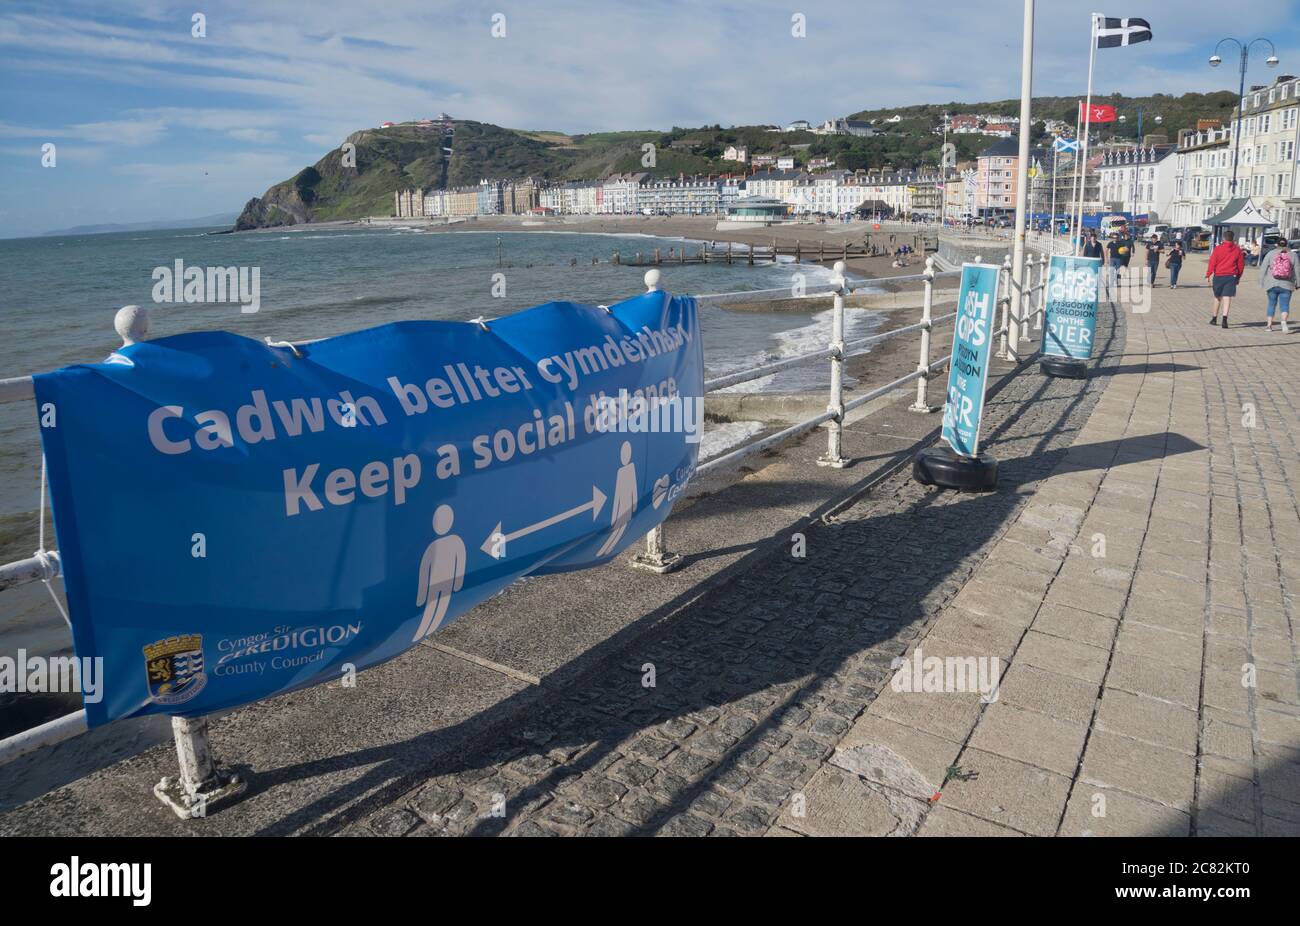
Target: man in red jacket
{"points": [[1227, 264]]}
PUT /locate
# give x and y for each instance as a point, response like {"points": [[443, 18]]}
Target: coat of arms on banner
{"points": [[175, 668]]}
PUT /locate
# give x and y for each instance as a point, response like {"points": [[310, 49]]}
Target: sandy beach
{"points": [[692, 228], [886, 361]]}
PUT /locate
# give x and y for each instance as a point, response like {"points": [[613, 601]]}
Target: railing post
{"points": [[131, 324], [835, 427], [1008, 283], [656, 557], [202, 784], [1026, 301], [1043, 265], [923, 367]]}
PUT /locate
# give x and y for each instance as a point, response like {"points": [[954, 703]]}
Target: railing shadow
{"points": [[768, 639]]}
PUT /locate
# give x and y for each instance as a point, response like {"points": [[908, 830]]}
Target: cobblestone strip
{"points": [[723, 719]]}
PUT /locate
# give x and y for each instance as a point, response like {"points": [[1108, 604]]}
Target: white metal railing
{"points": [[1013, 330], [202, 783]]}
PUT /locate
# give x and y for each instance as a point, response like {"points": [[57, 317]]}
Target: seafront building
{"points": [[1202, 175], [1138, 179], [903, 194], [997, 177]]}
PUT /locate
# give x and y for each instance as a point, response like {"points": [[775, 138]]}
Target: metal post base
{"points": [[1063, 366], [939, 466], [222, 788], [923, 409], [659, 563], [833, 462]]}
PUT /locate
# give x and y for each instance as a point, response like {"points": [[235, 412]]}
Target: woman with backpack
{"points": [[1278, 278]]}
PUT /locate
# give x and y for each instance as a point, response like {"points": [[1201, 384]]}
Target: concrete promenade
{"points": [[1135, 576]]}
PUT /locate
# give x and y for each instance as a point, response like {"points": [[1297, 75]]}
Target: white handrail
{"points": [[132, 324]]}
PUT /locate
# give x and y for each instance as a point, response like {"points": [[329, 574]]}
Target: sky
{"points": [[151, 121]]}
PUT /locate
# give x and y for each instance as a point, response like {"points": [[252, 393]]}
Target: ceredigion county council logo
{"points": [[175, 668]]}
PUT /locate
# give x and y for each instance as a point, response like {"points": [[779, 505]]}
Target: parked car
{"points": [[1201, 241]]}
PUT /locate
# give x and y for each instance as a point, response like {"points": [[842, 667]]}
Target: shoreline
{"points": [[697, 229]]}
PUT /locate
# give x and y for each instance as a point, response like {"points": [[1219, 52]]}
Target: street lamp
{"points": [[1215, 61]]}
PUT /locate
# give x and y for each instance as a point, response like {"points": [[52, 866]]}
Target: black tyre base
{"points": [[939, 466], [1063, 366]]}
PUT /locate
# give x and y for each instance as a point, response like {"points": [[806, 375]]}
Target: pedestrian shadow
{"points": [[1128, 368], [1262, 806]]}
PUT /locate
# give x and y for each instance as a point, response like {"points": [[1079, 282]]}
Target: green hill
{"points": [[1178, 112], [413, 155]]}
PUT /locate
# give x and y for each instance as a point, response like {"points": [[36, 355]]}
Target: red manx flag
{"points": [[1098, 113]]}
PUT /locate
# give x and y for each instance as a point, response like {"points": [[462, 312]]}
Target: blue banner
{"points": [[237, 520], [1070, 316], [972, 344]]}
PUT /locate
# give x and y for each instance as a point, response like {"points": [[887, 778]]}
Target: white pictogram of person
{"points": [[624, 505], [442, 572]]}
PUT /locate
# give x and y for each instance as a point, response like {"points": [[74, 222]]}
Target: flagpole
{"points": [[1051, 221], [1087, 126], [1019, 293], [1074, 163]]}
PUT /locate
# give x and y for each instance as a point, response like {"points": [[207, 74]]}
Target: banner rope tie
{"points": [[286, 345]]}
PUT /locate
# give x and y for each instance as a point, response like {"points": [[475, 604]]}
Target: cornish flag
{"points": [[1112, 33]]}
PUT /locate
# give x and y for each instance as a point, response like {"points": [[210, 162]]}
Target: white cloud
{"points": [[255, 136]]}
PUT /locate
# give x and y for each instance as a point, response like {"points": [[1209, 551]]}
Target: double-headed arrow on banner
{"points": [[495, 545]]}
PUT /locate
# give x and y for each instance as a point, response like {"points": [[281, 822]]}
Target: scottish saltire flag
{"points": [[1112, 33], [1066, 145]]}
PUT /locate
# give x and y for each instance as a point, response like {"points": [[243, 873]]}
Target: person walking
{"points": [[1153, 258], [1175, 263], [1224, 271], [1278, 278], [1118, 253], [1092, 247]]}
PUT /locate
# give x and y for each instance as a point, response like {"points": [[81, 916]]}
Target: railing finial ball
{"points": [[131, 324], [651, 280]]}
